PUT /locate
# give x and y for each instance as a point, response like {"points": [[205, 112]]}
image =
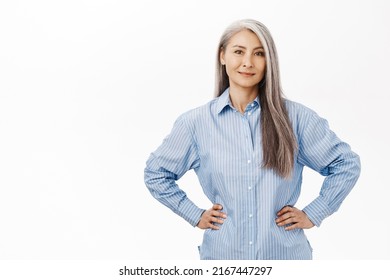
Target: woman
{"points": [[248, 148]]}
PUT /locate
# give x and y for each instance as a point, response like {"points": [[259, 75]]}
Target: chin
{"points": [[248, 85]]}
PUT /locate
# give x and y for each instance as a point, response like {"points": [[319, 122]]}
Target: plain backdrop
{"points": [[89, 88]]}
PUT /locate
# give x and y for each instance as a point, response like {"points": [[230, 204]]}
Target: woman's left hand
{"points": [[293, 217]]}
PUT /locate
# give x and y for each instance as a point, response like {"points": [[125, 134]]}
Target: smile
{"points": [[246, 74]]}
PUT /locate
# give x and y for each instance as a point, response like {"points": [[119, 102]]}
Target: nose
{"points": [[247, 61]]}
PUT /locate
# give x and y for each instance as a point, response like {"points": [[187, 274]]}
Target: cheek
{"points": [[232, 62], [261, 66], [261, 70], [230, 69]]}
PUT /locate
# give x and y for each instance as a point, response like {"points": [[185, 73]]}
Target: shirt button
{"points": [[249, 113], [249, 188], [249, 161], [250, 242], [250, 215]]}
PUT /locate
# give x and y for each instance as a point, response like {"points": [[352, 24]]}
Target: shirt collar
{"points": [[224, 101]]}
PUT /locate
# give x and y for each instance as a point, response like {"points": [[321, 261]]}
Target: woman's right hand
{"points": [[211, 216]]}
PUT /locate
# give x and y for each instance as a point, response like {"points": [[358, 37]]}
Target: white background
{"points": [[88, 89]]}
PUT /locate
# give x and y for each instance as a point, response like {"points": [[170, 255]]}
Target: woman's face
{"points": [[244, 59]]}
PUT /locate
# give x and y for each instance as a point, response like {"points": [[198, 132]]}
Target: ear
{"points": [[222, 57]]}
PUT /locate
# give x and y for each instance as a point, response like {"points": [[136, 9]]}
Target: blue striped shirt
{"points": [[224, 148]]}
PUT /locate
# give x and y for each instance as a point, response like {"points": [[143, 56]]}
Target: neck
{"points": [[241, 97]]}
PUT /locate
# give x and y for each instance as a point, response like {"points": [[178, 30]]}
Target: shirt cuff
{"points": [[317, 211], [190, 212]]}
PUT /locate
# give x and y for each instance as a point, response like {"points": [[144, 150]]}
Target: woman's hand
{"points": [[293, 217], [211, 216]]}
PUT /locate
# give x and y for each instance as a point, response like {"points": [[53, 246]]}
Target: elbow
{"points": [[352, 169], [151, 178], [358, 168], [151, 174], [346, 166]]}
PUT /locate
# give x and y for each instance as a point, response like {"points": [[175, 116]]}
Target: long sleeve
{"points": [[321, 150], [224, 148], [176, 155]]}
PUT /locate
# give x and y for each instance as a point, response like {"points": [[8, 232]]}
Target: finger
{"points": [[217, 207], [293, 226], [285, 217], [216, 220], [214, 227], [284, 210], [211, 218], [288, 221], [218, 214]]}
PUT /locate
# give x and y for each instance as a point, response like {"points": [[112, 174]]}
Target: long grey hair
{"points": [[278, 139]]}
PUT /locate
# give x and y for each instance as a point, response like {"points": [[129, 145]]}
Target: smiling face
{"points": [[244, 60]]}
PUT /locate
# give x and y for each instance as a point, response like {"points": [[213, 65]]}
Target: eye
{"points": [[238, 52], [259, 54]]}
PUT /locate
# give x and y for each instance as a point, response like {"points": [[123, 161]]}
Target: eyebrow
{"points": [[242, 47]]}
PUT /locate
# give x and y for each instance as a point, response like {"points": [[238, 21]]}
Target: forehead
{"points": [[246, 38]]}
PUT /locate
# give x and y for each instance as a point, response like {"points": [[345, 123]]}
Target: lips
{"points": [[246, 74]]}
